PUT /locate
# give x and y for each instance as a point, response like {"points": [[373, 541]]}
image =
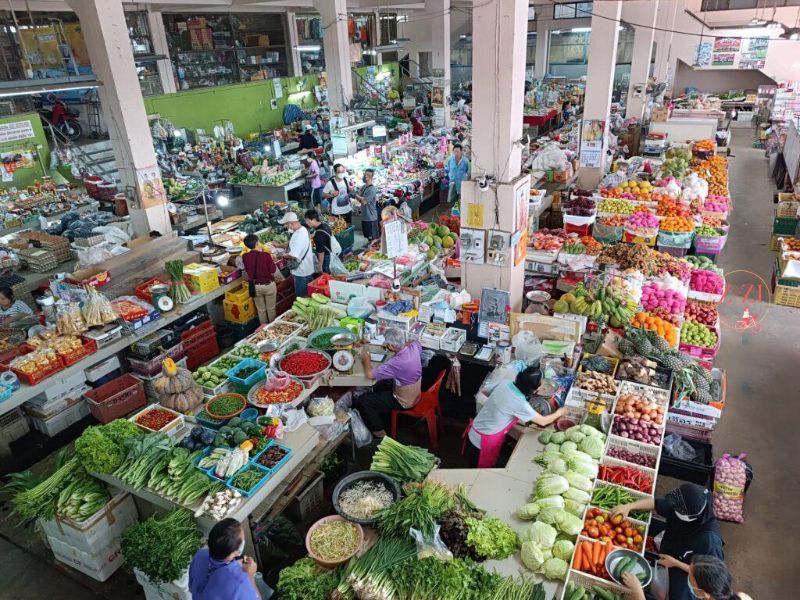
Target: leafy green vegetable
{"points": [[491, 537], [404, 463], [162, 548], [574, 507], [576, 480], [541, 533], [101, 449], [559, 437], [305, 580], [593, 446], [528, 511], [555, 568], [533, 555], [550, 485], [457, 579], [570, 524], [422, 506], [567, 447], [563, 549], [577, 495], [40, 500]]}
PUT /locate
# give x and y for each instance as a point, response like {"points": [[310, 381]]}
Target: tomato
{"points": [[617, 519], [621, 538], [618, 529], [584, 533], [594, 532], [637, 539], [628, 532], [600, 519]]}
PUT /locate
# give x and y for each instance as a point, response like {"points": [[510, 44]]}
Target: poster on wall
{"points": [[727, 44], [493, 305], [521, 207], [723, 59], [704, 54], [592, 136], [18, 130], [151, 188], [521, 249], [754, 55]]}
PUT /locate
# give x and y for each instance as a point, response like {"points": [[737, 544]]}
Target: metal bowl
{"points": [[343, 339], [351, 480], [642, 566]]}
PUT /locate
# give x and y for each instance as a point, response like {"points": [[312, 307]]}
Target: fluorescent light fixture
{"points": [[177, 133], [369, 52], [582, 29], [223, 201], [266, 148], [386, 48], [36, 87], [556, 32], [308, 48]]}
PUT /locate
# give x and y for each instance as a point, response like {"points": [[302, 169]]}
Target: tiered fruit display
{"points": [[715, 171], [676, 225], [671, 208], [642, 220], [707, 282], [702, 312], [697, 334], [176, 388], [654, 296], [615, 221], [654, 323], [605, 301], [717, 204], [676, 162], [615, 206]]}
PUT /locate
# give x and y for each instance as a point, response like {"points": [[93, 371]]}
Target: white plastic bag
{"points": [[361, 435], [527, 347]]}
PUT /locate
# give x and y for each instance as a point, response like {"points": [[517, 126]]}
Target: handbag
{"points": [[293, 263], [343, 199]]}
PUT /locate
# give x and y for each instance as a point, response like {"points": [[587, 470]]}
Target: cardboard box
{"points": [[659, 114], [201, 278], [196, 23], [94, 276], [260, 40]]}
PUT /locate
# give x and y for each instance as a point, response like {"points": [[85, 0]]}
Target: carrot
{"points": [[587, 557], [598, 548], [578, 559]]}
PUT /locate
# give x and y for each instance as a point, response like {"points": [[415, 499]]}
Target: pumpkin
{"points": [[176, 389]]}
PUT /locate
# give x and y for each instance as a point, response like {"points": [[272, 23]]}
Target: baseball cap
{"points": [[289, 217]]}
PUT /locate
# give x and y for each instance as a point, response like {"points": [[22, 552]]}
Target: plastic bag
{"points": [[676, 447], [275, 539], [730, 481], [682, 239], [659, 585], [337, 266], [361, 435], [606, 233], [527, 347], [360, 307], [432, 547]]}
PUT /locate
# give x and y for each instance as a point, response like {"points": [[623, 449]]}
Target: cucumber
{"points": [[622, 566], [320, 298], [340, 314], [304, 301], [578, 594], [602, 593]]}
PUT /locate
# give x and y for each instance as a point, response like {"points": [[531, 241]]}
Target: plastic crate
{"points": [[346, 238], [70, 358], [784, 225], [255, 488], [8, 355], [699, 471], [238, 294], [153, 366], [5, 392], [621, 443], [787, 295], [153, 344], [672, 250], [251, 379], [13, 425], [32, 378], [143, 290], [116, 398], [196, 329], [201, 349], [310, 502], [279, 464], [57, 423], [321, 285]]}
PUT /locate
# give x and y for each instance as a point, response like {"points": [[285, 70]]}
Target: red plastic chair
{"points": [[427, 408]]}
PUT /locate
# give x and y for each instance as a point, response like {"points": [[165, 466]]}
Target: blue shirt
{"points": [[211, 579], [457, 171]]}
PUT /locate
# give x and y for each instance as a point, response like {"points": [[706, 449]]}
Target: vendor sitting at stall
{"points": [[691, 529], [216, 571], [9, 306], [506, 406], [403, 370], [308, 141]]}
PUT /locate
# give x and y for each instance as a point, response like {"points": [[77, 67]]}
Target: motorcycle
{"points": [[63, 118]]}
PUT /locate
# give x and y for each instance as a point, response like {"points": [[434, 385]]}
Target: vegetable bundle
{"points": [[305, 580], [178, 290], [82, 498], [491, 538], [40, 500], [421, 507], [162, 548], [100, 449], [403, 463]]}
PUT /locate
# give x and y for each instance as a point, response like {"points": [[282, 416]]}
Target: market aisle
{"points": [[762, 418]]}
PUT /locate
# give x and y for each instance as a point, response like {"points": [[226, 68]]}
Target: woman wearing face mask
{"points": [[221, 570], [691, 529], [708, 578], [337, 191], [369, 204]]}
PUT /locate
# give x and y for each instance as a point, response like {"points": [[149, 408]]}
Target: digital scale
{"points": [[655, 144]]}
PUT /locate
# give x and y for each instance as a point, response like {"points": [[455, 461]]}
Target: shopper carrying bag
{"points": [[261, 275]]}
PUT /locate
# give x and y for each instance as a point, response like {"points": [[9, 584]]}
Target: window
{"points": [[572, 10]]}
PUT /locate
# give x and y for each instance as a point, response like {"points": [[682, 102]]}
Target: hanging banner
{"points": [[151, 188], [19, 130], [396, 238]]}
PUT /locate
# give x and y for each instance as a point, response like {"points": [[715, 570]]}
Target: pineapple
{"points": [[626, 347], [671, 361], [659, 343], [702, 392], [644, 346]]}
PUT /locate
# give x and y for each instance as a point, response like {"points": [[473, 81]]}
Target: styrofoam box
{"points": [[43, 409], [99, 530], [99, 566], [61, 388], [60, 421], [102, 369], [174, 590]]}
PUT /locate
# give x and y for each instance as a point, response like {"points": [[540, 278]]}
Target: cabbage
{"points": [[589, 430], [593, 446], [563, 549], [577, 454], [550, 484], [558, 466], [528, 511], [568, 447], [551, 515], [551, 447], [586, 469], [540, 533], [555, 568], [574, 507], [556, 501], [533, 556], [577, 480], [545, 458], [569, 524], [575, 436], [559, 437], [577, 495], [544, 437]]}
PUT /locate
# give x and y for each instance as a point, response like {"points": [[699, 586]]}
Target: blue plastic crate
{"points": [[208, 422], [253, 378], [5, 392], [282, 462], [267, 474]]}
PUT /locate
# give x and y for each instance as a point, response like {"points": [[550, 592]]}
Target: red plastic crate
{"points": [[116, 398], [201, 349], [197, 330], [153, 366], [142, 291], [41, 374], [8, 355], [70, 358], [321, 285], [579, 229]]}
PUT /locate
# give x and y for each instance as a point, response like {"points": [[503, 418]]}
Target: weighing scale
{"points": [[655, 144], [343, 359]]}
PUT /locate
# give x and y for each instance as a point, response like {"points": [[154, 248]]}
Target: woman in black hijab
{"points": [[691, 529]]}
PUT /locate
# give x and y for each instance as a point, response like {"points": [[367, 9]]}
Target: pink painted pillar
{"points": [[600, 80], [337, 52], [106, 34], [499, 33], [644, 14]]}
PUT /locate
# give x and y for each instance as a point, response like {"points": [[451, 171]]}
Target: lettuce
{"points": [[575, 436], [593, 446], [574, 507], [545, 458], [555, 568], [551, 515], [550, 484], [563, 549], [576, 480], [544, 437], [533, 556], [589, 430], [551, 447], [528, 511], [576, 455], [568, 447], [541, 534], [558, 466], [556, 501], [559, 437], [586, 469]]}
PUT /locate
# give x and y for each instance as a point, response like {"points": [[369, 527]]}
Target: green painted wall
{"points": [[246, 105], [25, 177]]}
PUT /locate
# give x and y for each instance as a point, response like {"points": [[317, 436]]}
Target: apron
{"points": [[491, 444]]}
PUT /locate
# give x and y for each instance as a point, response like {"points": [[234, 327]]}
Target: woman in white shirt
{"points": [[9, 306], [300, 250], [337, 190], [507, 405]]}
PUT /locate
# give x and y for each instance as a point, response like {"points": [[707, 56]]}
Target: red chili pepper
{"points": [[156, 419]]}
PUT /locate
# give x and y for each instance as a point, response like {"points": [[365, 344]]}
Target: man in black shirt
{"points": [[322, 241], [308, 141]]}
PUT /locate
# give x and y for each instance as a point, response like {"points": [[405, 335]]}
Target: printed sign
{"points": [[592, 136], [19, 130]]}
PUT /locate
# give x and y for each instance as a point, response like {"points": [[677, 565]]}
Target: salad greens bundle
{"points": [[100, 449], [491, 537]]}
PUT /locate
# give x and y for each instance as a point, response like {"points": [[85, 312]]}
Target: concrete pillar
{"points": [[379, 37], [294, 53], [106, 34], [666, 58], [158, 36], [499, 33], [439, 11], [600, 81], [337, 52], [413, 63], [541, 65], [644, 14]]}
